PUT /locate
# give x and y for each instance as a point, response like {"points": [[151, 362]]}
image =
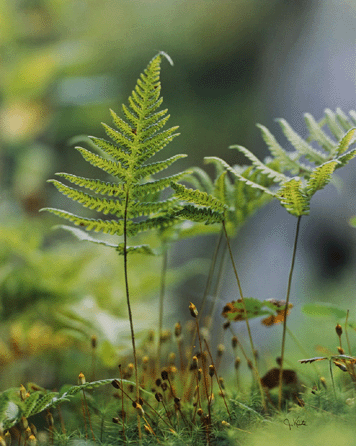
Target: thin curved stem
{"points": [[247, 323], [286, 313]]}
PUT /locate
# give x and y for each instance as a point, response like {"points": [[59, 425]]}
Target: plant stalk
{"points": [[286, 313], [161, 301], [129, 309], [247, 323]]}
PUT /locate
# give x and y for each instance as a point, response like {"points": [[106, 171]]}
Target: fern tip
{"points": [[164, 54]]}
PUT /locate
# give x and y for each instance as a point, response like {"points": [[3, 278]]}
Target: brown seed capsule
{"points": [[116, 420], [199, 373], [226, 325], [234, 342], [81, 378], [200, 411], [164, 386], [338, 329], [115, 383], [158, 382], [193, 310], [164, 375], [249, 364], [139, 409], [221, 349], [237, 362], [194, 364], [211, 370], [177, 330], [341, 350], [93, 341], [159, 397], [221, 382]]}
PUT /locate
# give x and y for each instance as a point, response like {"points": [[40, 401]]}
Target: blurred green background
{"points": [[64, 63]]}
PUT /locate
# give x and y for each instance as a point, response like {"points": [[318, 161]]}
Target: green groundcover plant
{"points": [[176, 394]]}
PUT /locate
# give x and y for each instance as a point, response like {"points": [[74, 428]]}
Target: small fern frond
{"points": [[236, 174], [114, 169], [320, 177], [346, 141], [260, 166], [293, 198], [300, 144], [197, 197], [113, 227], [153, 168], [283, 157], [151, 187], [104, 205], [120, 156], [317, 134], [200, 215], [99, 187]]}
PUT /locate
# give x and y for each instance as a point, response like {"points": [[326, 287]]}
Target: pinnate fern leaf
{"points": [[321, 176], [137, 137]]}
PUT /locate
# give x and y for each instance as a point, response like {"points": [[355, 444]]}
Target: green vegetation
{"points": [[154, 386]]}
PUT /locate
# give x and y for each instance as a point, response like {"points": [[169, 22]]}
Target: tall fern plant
{"points": [[136, 139], [295, 192]]}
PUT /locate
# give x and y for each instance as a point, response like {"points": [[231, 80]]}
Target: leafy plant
{"points": [[295, 193], [135, 142]]}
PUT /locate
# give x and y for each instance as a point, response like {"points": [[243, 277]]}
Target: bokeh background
{"points": [[64, 63]]}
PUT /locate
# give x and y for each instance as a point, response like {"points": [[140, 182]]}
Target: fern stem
{"points": [[286, 313], [247, 323], [129, 309], [161, 301]]}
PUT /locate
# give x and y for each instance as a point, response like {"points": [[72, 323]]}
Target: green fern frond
{"points": [[344, 159], [260, 166], [138, 249], [134, 140], [99, 187], [283, 157], [346, 141], [300, 144], [317, 134], [197, 197], [343, 119], [320, 177], [84, 236], [293, 198], [334, 124], [200, 215]]}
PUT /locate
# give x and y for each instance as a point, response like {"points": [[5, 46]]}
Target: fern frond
{"points": [[343, 120], [259, 165], [239, 176], [197, 197], [134, 140], [153, 168], [344, 159], [278, 152], [107, 166], [293, 198], [333, 124], [106, 226], [151, 187], [99, 187], [200, 215], [320, 177], [300, 144], [120, 156], [317, 133], [104, 205], [346, 141]]}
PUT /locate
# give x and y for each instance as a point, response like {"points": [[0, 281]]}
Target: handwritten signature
{"points": [[296, 422]]}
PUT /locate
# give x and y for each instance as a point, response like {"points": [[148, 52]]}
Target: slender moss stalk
{"points": [[161, 301], [286, 314], [247, 323], [129, 310]]}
